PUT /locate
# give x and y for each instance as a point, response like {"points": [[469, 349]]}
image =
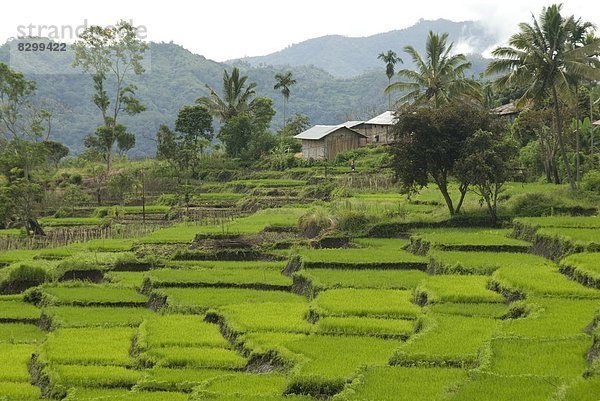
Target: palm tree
{"points": [[439, 77], [390, 59], [542, 58], [581, 35], [284, 81], [236, 96]]}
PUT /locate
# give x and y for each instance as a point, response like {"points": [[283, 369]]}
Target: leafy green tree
{"points": [[541, 58], [24, 195], [122, 186], [390, 58], [486, 164], [166, 143], [283, 83], [297, 124], [440, 75], [237, 97], [111, 52], [14, 97], [430, 141], [236, 134], [55, 151], [246, 135], [195, 123]]}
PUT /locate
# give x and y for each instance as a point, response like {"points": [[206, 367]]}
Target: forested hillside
{"points": [[176, 77]]}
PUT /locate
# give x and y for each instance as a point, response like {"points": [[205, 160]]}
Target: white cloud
{"points": [[235, 28]]}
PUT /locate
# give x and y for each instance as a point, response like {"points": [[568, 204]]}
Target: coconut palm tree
{"points": [[541, 58], [581, 34], [237, 97], [390, 59], [439, 77], [284, 81]]}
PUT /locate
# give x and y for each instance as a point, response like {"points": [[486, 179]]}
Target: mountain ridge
{"points": [[346, 57]]}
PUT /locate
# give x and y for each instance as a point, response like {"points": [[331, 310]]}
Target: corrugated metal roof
{"points": [[506, 109], [385, 118], [352, 124], [320, 131]]}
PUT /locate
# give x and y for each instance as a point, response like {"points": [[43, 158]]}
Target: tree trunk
{"points": [[577, 134], [463, 188], [284, 111], [561, 141], [443, 187]]}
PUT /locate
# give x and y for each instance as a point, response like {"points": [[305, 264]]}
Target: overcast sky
{"points": [[222, 30]]}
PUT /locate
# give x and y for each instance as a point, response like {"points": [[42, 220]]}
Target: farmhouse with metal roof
{"points": [[326, 141]]}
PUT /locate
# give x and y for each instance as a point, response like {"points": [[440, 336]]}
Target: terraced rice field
{"points": [[451, 314]]}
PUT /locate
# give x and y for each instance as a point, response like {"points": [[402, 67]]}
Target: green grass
{"points": [[217, 197], [269, 183], [224, 264], [186, 232], [365, 326], [21, 391], [453, 288], [586, 238], [366, 302], [195, 357], [466, 239], [70, 221], [561, 221], [322, 279], [583, 267], [200, 300], [10, 232], [552, 317], [338, 357], [540, 280], [89, 394], [381, 243], [234, 277], [108, 245], [583, 390], [91, 295], [95, 316], [398, 383], [89, 346], [125, 279], [502, 388], [66, 376], [491, 310], [179, 330], [564, 358], [266, 316], [484, 263], [361, 258], [13, 310], [135, 210], [446, 340], [20, 333], [174, 379], [14, 359], [182, 233], [246, 384]]}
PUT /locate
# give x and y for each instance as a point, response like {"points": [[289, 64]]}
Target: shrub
{"points": [[534, 204], [591, 181], [352, 221], [313, 222]]}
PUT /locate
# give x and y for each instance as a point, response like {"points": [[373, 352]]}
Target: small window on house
{"points": [[376, 138]]}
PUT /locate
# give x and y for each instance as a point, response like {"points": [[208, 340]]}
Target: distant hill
{"points": [[177, 77], [347, 57]]}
